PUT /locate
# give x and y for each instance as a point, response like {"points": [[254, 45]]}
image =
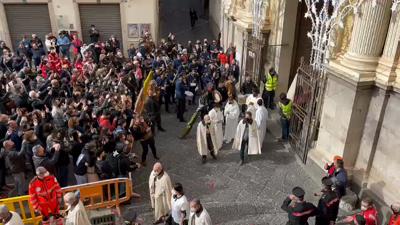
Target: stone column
{"points": [[368, 38], [386, 71]]}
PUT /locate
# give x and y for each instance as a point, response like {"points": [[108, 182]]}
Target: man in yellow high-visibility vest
{"points": [[285, 110], [271, 83]]}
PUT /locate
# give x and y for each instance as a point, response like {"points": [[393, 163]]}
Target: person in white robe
{"points": [[206, 139], [8, 217], [261, 120], [252, 109], [198, 214], [160, 186], [231, 113], [217, 119], [76, 212], [253, 98], [247, 140]]}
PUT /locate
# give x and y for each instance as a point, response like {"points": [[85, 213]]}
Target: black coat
{"points": [[328, 208], [104, 170], [298, 213], [152, 108]]}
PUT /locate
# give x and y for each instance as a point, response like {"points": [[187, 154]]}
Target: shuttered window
{"points": [[106, 18], [27, 19]]}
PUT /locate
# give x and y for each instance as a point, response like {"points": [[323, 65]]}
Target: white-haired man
{"points": [[8, 217], [75, 209], [160, 186]]}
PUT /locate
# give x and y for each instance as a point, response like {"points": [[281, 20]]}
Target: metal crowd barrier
{"points": [[96, 195]]}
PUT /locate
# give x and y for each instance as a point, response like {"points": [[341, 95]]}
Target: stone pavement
{"points": [[174, 17], [233, 195]]}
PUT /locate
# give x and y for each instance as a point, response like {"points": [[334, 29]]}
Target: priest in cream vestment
{"points": [[247, 140], [206, 139], [160, 186], [231, 113], [217, 119]]}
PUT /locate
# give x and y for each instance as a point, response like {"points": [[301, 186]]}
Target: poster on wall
{"points": [[144, 28], [133, 30]]}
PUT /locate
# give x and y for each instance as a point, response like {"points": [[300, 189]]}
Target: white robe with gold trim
{"points": [[201, 139]]}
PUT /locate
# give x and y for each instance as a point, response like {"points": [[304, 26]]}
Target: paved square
{"points": [[232, 194]]}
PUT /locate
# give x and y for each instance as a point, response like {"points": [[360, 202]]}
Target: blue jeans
{"points": [[285, 128]]}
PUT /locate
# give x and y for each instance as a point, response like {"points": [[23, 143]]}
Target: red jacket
{"points": [[55, 63], [45, 195], [223, 59], [105, 123], [43, 67], [370, 216], [394, 220]]}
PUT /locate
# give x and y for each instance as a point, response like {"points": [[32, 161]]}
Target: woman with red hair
{"points": [[331, 168]]}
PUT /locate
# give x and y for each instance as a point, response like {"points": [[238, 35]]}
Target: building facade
{"points": [[360, 116], [361, 103], [234, 20], [124, 19]]}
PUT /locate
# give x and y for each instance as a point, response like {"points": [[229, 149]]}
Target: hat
{"points": [[298, 192], [327, 181], [41, 170]]}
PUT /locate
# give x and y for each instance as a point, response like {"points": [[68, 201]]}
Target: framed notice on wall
{"points": [[133, 30], [145, 28]]}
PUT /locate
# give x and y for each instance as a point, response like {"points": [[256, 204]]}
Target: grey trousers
{"points": [[81, 179], [20, 184]]}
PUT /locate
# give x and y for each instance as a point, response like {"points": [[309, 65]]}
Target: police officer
{"points": [[298, 210], [328, 204], [285, 111], [271, 83]]}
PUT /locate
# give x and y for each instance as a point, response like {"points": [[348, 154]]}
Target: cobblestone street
{"points": [[233, 194]]}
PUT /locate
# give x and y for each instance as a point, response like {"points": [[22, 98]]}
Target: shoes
{"points": [[213, 155], [182, 121], [203, 159], [241, 163], [156, 158], [161, 129]]}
